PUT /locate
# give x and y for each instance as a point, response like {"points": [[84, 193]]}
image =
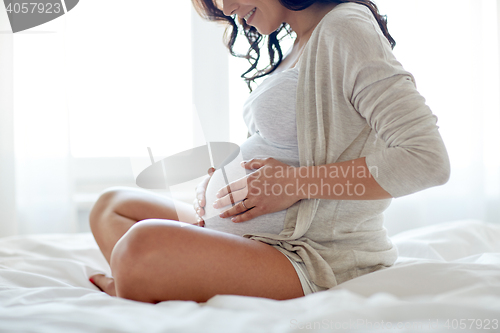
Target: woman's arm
{"points": [[414, 158], [360, 83], [349, 180], [276, 186]]}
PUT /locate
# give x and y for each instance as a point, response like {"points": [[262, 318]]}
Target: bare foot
{"points": [[104, 283]]}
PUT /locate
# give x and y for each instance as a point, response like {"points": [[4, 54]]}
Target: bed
{"points": [[447, 278]]}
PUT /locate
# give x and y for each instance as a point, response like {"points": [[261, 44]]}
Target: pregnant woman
{"points": [[337, 129]]}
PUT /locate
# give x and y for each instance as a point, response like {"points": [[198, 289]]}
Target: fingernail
{"points": [[233, 219], [199, 202], [217, 195], [91, 280], [215, 203], [222, 215]]}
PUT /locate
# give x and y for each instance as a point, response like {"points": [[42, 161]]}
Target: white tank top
{"points": [[269, 114]]}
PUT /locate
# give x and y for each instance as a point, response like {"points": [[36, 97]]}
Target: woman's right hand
{"points": [[200, 200]]}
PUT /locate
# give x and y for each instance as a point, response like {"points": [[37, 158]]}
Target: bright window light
{"points": [[129, 77]]}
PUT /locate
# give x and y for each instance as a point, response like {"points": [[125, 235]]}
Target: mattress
{"points": [[447, 278]]}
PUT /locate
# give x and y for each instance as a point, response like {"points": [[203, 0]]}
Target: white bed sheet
{"points": [[447, 275]]}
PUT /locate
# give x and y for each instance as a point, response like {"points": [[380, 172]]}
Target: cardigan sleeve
{"points": [[385, 95], [415, 157]]}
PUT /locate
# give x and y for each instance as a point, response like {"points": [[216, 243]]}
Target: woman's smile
{"points": [[264, 15], [249, 15]]}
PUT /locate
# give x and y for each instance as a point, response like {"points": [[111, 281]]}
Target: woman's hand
{"points": [[269, 189], [200, 200]]}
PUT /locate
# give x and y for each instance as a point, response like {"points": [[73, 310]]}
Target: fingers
{"points": [[202, 187], [200, 199], [231, 198], [200, 211], [240, 213], [246, 216], [236, 209], [233, 187], [200, 222], [200, 194], [256, 163]]}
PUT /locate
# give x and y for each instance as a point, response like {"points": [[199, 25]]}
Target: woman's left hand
{"points": [[269, 189]]}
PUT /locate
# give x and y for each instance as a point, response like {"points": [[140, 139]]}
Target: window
{"points": [[94, 88], [129, 77]]}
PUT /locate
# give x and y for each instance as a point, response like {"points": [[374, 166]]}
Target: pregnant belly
{"points": [[269, 223]]}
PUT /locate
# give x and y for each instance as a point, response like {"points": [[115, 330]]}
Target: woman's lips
{"points": [[249, 15]]}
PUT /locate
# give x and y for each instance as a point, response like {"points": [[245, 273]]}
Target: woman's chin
{"points": [[265, 33], [265, 30]]}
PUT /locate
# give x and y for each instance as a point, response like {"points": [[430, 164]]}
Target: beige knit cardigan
{"points": [[354, 99]]}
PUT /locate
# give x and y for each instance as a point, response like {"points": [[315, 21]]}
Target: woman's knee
{"points": [[106, 203], [134, 255]]}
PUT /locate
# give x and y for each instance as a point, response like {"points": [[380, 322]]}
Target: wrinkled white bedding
{"points": [[447, 276]]}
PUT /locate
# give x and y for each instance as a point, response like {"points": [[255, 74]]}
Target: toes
{"points": [[97, 280], [104, 283]]}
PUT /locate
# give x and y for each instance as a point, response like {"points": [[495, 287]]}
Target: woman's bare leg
{"points": [[158, 260], [119, 208]]}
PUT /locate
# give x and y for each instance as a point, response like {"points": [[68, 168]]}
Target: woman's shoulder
{"points": [[351, 21], [347, 13]]}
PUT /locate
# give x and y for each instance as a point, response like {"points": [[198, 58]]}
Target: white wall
{"points": [[8, 224], [126, 73]]}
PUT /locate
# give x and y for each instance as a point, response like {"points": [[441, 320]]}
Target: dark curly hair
{"points": [[208, 9]]}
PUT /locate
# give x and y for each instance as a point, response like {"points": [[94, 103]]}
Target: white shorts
{"points": [[308, 286]]}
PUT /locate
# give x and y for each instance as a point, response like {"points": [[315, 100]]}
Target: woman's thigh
{"points": [[158, 260], [119, 208], [138, 204]]}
